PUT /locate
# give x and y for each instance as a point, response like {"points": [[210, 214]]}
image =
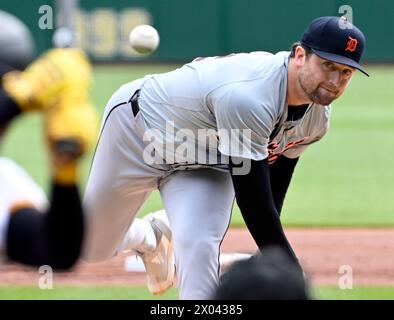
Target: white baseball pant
{"points": [[198, 202]]}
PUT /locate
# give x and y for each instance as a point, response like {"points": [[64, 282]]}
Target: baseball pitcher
{"points": [[214, 129]]}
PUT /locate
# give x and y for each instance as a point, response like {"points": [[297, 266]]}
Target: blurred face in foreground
{"points": [[322, 81]]}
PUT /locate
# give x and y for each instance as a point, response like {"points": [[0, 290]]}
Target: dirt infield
{"points": [[369, 253]]}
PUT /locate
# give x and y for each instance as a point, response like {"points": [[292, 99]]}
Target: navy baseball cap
{"points": [[337, 40]]}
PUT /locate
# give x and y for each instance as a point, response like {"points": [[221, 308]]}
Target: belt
{"points": [[134, 102]]}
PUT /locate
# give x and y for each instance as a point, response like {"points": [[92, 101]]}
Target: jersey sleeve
{"points": [[244, 126]]}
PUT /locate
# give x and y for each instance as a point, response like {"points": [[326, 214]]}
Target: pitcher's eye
{"points": [[328, 65]]}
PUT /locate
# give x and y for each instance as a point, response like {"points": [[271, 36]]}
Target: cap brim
{"points": [[339, 59]]}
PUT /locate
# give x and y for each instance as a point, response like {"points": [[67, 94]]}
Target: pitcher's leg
{"points": [[198, 205], [109, 215], [118, 185]]}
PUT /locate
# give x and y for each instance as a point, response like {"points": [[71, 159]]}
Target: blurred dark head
{"points": [[16, 43], [271, 275]]}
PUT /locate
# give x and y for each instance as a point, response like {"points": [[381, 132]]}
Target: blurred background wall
{"points": [[207, 27]]}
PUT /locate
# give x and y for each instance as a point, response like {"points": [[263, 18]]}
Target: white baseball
{"points": [[144, 39]]}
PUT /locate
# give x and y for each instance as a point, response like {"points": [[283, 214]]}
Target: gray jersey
{"points": [[212, 96], [224, 97]]}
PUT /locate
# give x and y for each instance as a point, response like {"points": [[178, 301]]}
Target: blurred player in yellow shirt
{"points": [[57, 84]]}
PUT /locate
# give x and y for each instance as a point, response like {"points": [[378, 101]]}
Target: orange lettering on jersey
{"points": [[273, 147], [351, 44]]}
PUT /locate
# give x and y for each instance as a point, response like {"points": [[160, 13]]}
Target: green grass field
{"points": [[141, 293], [344, 180]]}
